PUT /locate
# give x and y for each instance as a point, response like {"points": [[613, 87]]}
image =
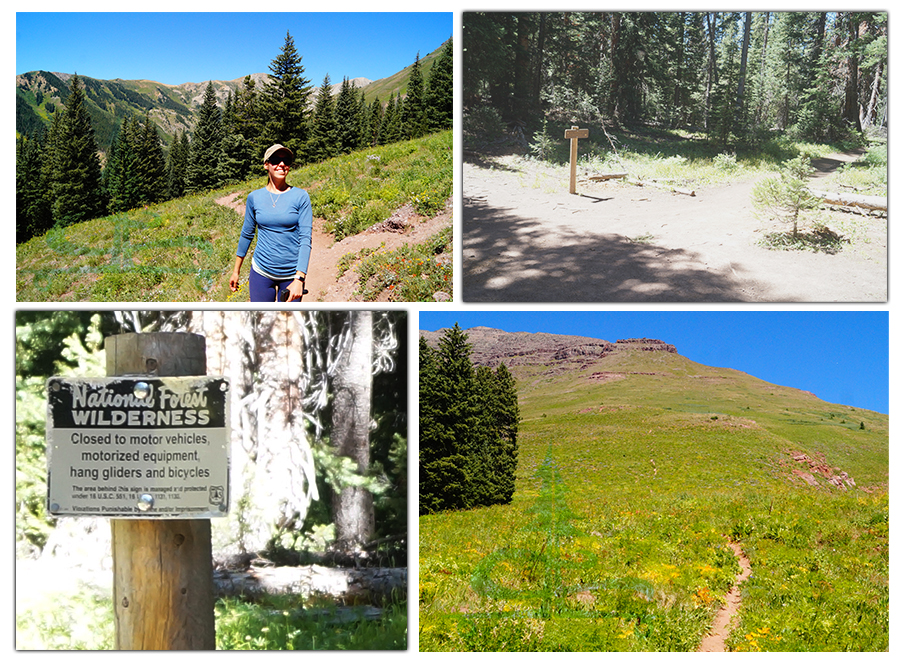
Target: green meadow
{"points": [[183, 250], [634, 474]]}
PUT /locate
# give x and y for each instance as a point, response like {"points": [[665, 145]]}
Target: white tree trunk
{"points": [[862, 201], [354, 517], [272, 473]]}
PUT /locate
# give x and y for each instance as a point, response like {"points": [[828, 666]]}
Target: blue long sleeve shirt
{"points": [[283, 224]]}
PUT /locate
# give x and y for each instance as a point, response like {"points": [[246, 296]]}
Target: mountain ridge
{"points": [[582, 362], [173, 107]]}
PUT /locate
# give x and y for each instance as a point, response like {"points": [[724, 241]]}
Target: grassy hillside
{"points": [[173, 107], [183, 250], [634, 473], [396, 83]]}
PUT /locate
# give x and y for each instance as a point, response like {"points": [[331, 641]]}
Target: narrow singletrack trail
{"points": [[714, 642], [323, 281]]}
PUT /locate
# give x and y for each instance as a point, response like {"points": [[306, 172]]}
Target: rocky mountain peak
{"points": [[490, 347]]}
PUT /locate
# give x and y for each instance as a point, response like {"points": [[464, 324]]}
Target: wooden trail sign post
{"points": [[573, 135], [149, 448]]}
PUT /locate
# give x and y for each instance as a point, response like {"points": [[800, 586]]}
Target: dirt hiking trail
{"points": [[714, 642], [526, 239], [404, 227]]}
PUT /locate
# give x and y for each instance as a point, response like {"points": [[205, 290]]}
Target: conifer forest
{"points": [[469, 421], [62, 178], [735, 77]]}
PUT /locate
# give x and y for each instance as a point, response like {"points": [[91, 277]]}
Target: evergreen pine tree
{"points": [[484, 442], [347, 117], [235, 159], [496, 452], [152, 164], [414, 121], [284, 99], [445, 387], [228, 120], [373, 127], [390, 123], [431, 449], [176, 165], [788, 193], [468, 428], [323, 135], [33, 215], [119, 170], [439, 96], [245, 116], [362, 121], [205, 145], [77, 182], [48, 162], [23, 167], [506, 417]]}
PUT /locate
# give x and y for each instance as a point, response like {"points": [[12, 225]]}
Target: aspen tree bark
{"points": [[354, 514], [273, 475]]}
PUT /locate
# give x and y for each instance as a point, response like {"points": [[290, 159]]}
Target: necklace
{"points": [[275, 199]]}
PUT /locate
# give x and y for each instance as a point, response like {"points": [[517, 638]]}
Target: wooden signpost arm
{"points": [[162, 569]]}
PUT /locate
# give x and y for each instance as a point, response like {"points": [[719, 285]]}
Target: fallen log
{"points": [[662, 186], [347, 585], [606, 177], [869, 202]]}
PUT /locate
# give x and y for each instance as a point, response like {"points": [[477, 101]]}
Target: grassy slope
{"points": [[183, 250], [653, 472], [396, 83]]}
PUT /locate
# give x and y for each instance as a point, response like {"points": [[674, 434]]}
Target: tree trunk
{"points": [[346, 585], [354, 517], [679, 69], [851, 98], [745, 47], [614, 82], [522, 69], [272, 473], [710, 66], [873, 98], [762, 92], [862, 201], [538, 64]]}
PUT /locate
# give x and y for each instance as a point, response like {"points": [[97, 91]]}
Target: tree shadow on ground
{"points": [[490, 160], [510, 258]]}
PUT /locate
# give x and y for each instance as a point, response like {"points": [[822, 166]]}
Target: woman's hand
{"points": [[295, 290], [236, 274]]}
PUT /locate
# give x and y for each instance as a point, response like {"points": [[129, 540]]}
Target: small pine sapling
{"points": [[786, 194], [543, 145]]}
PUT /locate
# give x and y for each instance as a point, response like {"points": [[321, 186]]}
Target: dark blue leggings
{"points": [[266, 289]]}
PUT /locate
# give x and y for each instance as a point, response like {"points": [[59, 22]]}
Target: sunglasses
{"points": [[275, 160]]}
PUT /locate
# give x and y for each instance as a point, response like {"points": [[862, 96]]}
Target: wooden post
{"points": [[162, 569], [573, 135]]}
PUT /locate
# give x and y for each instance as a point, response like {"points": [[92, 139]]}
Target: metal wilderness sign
{"points": [[138, 447]]}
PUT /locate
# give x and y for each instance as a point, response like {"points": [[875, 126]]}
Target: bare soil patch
{"points": [[403, 228], [526, 239]]}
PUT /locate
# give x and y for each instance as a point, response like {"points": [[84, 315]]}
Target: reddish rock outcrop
{"points": [[814, 470], [490, 347]]}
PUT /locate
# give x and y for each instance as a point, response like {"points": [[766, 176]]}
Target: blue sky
{"points": [[176, 48], [841, 357]]}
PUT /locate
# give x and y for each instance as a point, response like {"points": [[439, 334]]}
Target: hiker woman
{"points": [[282, 215]]}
